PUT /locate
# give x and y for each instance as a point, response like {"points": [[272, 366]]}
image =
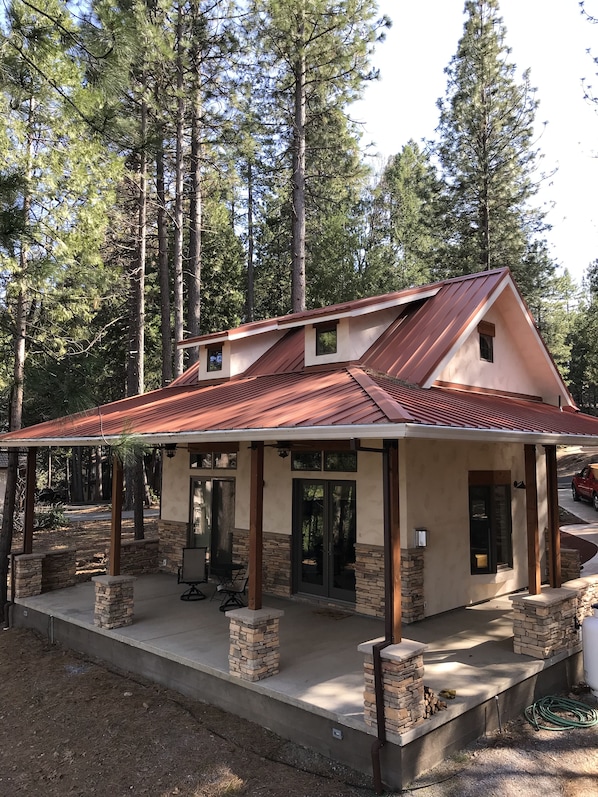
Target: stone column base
{"points": [[28, 574], [113, 601], [544, 624], [403, 682], [254, 652]]}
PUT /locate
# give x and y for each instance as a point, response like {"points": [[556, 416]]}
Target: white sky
{"points": [[551, 38]]}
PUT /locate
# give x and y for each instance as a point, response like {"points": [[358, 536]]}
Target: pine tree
{"points": [[314, 61], [50, 267], [403, 231], [487, 156]]}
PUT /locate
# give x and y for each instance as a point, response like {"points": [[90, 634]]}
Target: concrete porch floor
{"points": [[319, 688]]}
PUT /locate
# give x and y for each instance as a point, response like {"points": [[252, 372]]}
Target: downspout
{"points": [[389, 630]]}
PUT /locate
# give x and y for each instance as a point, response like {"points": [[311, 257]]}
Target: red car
{"points": [[585, 485]]}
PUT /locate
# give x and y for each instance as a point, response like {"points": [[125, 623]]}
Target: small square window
{"points": [[487, 348], [214, 358], [340, 461], [203, 461], [224, 460], [326, 339], [306, 460]]}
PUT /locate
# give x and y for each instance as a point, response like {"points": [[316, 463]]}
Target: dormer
{"points": [[214, 360]]}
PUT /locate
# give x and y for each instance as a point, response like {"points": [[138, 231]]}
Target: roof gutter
{"points": [[393, 431]]}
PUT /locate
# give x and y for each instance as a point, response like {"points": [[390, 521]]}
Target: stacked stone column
{"points": [[254, 652], [403, 685], [545, 624], [28, 574], [113, 601]]}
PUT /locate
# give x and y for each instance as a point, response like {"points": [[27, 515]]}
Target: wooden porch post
{"points": [[29, 502], [531, 500], [116, 520], [554, 536], [392, 543], [256, 520]]}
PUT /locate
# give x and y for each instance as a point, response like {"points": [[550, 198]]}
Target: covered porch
{"points": [[317, 697]]}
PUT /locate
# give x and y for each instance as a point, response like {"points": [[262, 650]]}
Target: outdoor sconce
{"points": [[170, 449], [519, 485], [421, 538]]}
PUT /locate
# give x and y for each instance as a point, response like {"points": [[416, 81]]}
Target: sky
{"points": [[548, 37]]}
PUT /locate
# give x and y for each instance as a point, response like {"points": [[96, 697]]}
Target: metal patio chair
{"points": [[192, 572], [233, 591]]}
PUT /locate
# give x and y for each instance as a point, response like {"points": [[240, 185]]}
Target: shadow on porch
{"points": [[321, 671]]}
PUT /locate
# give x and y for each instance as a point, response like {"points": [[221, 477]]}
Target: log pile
{"points": [[432, 704]]}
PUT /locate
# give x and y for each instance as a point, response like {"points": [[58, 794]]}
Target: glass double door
{"points": [[324, 533], [213, 517]]}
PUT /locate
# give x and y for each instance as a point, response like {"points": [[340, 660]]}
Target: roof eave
{"points": [[371, 431]]}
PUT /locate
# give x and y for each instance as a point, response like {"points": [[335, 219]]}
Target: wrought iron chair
{"points": [[192, 572], [232, 592]]}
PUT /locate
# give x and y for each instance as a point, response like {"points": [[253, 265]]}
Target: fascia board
{"points": [[473, 322], [561, 389], [371, 431]]}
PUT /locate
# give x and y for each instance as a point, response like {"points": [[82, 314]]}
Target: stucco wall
{"points": [[433, 479], [434, 495], [278, 493]]}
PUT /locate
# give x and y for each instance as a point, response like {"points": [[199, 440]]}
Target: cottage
{"points": [[394, 456]]}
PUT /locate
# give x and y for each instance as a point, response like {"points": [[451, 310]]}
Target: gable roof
{"points": [[388, 392]]}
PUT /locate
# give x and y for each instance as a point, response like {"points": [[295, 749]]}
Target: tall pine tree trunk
{"points": [[17, 392], [164, 277], [195, 207], [178, 208], [250, 299], [298, 208], [135, 371]]}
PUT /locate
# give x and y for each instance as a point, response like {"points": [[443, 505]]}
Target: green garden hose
{"points": [[562, 713]]}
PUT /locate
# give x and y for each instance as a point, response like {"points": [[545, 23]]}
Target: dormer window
{"points": [[326, 339], [214, 358], [486, 332]]}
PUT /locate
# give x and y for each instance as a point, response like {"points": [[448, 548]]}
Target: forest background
{"points": [[170, 169]]}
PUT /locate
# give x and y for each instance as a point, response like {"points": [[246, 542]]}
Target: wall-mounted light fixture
{"points": [[170, 449], [421, 538], [519, 485]]}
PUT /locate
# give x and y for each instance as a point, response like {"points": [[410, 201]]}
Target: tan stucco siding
{"points": [[510, 370], [434, 495]]}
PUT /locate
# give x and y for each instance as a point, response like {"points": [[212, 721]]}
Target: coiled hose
{"points": [[561, 713]]}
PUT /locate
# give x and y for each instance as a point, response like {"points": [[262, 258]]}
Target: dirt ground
{"points": [[71, 726]]}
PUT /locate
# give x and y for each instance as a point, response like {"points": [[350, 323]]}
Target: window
{"points": [[214, 459], [487, 332], [326, 339], [214, 358], [486, 348], [490, 521], [332, 461]]}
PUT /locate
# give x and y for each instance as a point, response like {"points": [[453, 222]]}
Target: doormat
{"points": [[333, 614]]}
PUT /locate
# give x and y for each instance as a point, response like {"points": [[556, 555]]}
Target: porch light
{"points": [[170, 449], [421, 538]]}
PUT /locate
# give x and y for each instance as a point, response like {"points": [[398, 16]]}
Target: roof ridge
{"points": [[389, 406]]}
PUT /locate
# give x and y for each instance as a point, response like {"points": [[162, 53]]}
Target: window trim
{"points": [[490, 479], [487, 333], [321, 329], [215, 350]]}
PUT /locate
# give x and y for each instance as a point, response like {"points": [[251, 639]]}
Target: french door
{"points": [[213, 517], [324, 533]]}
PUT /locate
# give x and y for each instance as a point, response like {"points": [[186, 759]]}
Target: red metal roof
{"points": [[412, 347], [346, 397], [381, 395]]}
